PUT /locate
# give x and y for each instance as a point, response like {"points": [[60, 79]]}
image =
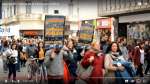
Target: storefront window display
{"points": [[138, 31]]}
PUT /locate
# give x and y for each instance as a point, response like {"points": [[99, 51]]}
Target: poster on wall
{"points": [[54, 30], [87, 32], [138, 31]]}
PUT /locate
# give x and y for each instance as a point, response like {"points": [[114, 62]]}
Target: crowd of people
{"points": [[101, 62]]}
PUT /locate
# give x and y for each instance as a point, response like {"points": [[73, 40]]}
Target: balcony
{"points": [[21, 17], [29, 17], [8, 20]]}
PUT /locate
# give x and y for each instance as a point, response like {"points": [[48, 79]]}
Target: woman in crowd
{"points": [[72, 60], [138, 58], [123, 48], [147, 56], [23, 53], [12, 61], [5, 48], [113, 52], [41, 52], [93, 57]]}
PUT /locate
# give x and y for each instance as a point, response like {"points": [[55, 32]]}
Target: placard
{"points": [[87, 32], [54, 29]]}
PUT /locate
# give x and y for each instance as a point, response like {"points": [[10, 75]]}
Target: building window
{"points": [[145, 2], [138, 2], [117, 4], [133, 3], [14, 7], [56, 11], [0, 9], [45, 6], [10, 10], [28, 6]]}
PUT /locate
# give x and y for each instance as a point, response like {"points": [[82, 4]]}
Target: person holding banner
{"points": [[55, 64], [72, 59]]}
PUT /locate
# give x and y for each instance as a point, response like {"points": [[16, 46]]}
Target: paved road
{"points": [[22, 76]]}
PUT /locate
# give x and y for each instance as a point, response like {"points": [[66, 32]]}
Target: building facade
{"points": [[0, 9], [28, 15], [131, 16]]}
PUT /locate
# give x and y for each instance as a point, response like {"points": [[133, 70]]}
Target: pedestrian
{"points": [[138, 58], [23, 53], [147, 56], [40, 53], [113, 52], [55, 64], [73, 60], [104, 43], [12, 61], [5, 47], [123, 48], [95, 58], [31, 49]]}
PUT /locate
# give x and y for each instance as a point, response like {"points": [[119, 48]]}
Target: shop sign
{"points": [[30, 33], [54, 29], [87, 32], [104, 23]]}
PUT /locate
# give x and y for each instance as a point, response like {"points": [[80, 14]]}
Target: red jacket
{"points": [[136, 56], [98, 66]]}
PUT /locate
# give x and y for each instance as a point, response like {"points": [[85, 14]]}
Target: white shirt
{"points": [[11, 53], [15, 54], [142, 56]]}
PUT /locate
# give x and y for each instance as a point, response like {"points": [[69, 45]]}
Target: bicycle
{"points": [[32, 69], [36, 69]]}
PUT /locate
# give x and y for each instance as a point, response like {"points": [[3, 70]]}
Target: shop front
{"points": [[105, 28], [32, 33], [136, 26]]}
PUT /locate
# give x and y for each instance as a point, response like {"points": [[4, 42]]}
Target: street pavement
{"points": [[21, 77]]}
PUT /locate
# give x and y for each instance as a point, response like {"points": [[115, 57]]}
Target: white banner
{"points": [[9, 31]]}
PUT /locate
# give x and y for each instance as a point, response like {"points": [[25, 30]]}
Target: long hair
{"points": [[6, 44], [73, 42], [38, 48], [109, 48], [141, 43], [39, 45], [14, 44]]}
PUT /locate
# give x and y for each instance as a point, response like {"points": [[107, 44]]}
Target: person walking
{"points": [[55, 65], [138, 58], [147, 56], [5, 48], [95, 58], [113, 52], [12, 61]]}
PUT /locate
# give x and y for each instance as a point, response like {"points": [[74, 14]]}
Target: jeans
{"points": [[147, 67], [140, 70], [5, 66], [12, 70], [18, 65]]}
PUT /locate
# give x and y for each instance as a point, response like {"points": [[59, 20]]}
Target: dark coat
{"points": [[136, 56]]}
